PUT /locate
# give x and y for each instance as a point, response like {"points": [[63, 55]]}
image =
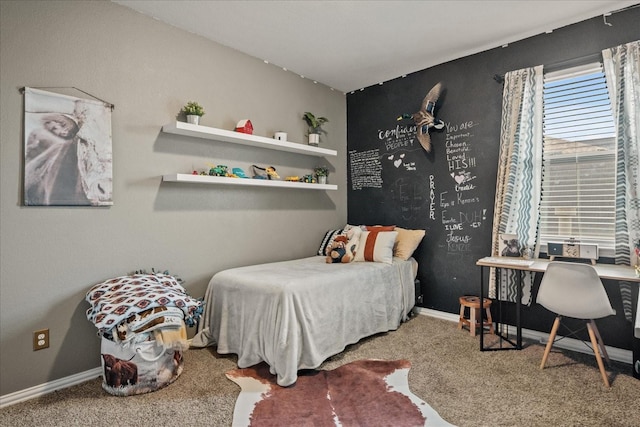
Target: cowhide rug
{"points": [[361, 393]]}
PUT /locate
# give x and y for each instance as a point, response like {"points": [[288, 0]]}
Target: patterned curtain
{"points": [[516, 206], [622, 70]]}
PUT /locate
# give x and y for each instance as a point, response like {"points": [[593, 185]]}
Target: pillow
{"points": [[376, 246], [407, 242], [327, 241], [380, 227]]}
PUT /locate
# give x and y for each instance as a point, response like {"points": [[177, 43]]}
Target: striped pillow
{"points": [[380, 227], [327, 240], [376, 246]]}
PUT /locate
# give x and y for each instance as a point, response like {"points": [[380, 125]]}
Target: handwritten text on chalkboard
{"points": [[409, 196], [397, 138], [460, 209], [365, 169]]}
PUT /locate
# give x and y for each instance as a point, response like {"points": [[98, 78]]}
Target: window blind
{"points": [[578, 184]]}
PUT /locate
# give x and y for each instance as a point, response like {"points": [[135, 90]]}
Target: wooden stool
{"points": [[475, 314]]}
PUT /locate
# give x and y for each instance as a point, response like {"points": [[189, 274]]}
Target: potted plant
{"points": [[193, 111], [321, 173], [315, 127]]}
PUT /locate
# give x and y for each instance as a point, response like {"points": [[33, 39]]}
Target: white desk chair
{"points": [[575, 290]]}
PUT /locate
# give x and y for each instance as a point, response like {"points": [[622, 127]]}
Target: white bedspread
{"points": [[295, 314]]}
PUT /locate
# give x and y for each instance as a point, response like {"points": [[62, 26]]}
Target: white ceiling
{"points": [[348, 45]]}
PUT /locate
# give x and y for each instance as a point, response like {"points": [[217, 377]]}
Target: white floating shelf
{"points": [[215, 134], [206, 179]]}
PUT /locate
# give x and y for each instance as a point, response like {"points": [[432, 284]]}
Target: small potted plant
{"points": [[321, 173], [193, 111], [315, 127]]}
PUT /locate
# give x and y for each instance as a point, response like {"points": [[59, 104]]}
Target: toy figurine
{"points": [[245, 126], [220, 170], [265, 173], [308, 179], [239, 173], [343, 248]]}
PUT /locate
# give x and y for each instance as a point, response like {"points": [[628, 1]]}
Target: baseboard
{"points": [[617, 354], [42, 389]]}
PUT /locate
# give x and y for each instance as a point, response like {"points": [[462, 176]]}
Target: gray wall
{"points": [[50, 256]]}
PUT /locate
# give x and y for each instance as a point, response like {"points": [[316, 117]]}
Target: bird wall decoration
{"points": [[425, 118]]}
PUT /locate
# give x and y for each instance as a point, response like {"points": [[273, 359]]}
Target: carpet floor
{"points": [[465, 386]]}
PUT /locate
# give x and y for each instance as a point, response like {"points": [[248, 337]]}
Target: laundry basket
{"points": [[138, 368], [141, 319]]}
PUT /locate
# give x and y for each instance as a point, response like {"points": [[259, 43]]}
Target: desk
{"points": [[539, 265]]}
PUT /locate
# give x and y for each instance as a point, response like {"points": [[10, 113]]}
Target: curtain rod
{"points": [[567, 63], [575, 61], [108, 104]]}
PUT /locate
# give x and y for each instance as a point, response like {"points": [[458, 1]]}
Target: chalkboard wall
{"points": [[450, 191]]}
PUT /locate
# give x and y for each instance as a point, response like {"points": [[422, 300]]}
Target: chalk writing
{"points": [[365, 169], [397, 138], [411, 166], [459, 213], [432, 198], [451, 128], [409, 196], [467, 200], [458, 146], [398, 160], [458, 243]]}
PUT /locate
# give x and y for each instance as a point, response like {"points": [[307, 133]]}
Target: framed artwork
{"points": [[67, 150], [509, 245]]}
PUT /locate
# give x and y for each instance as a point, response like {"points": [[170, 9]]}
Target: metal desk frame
{"points": [[537, 265]]}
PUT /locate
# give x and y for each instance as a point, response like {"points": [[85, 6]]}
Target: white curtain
{"points": [[516, 207], [622, 70]]}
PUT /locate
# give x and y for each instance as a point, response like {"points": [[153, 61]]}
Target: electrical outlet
{"points": [[40, 339]]}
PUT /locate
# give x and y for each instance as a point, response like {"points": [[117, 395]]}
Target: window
{"points": [[578, 184]]}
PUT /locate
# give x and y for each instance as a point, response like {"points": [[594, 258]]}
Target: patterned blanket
{"points": [[117, 299]]}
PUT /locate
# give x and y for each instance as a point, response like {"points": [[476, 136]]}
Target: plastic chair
{"points": [[575, 290]]}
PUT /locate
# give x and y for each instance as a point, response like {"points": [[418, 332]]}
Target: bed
{"points": [[295, 314]]}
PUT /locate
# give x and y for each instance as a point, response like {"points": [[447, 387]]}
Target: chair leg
{"points": [[552, 336], [460, 322], [603, 349], [596, 351]]}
